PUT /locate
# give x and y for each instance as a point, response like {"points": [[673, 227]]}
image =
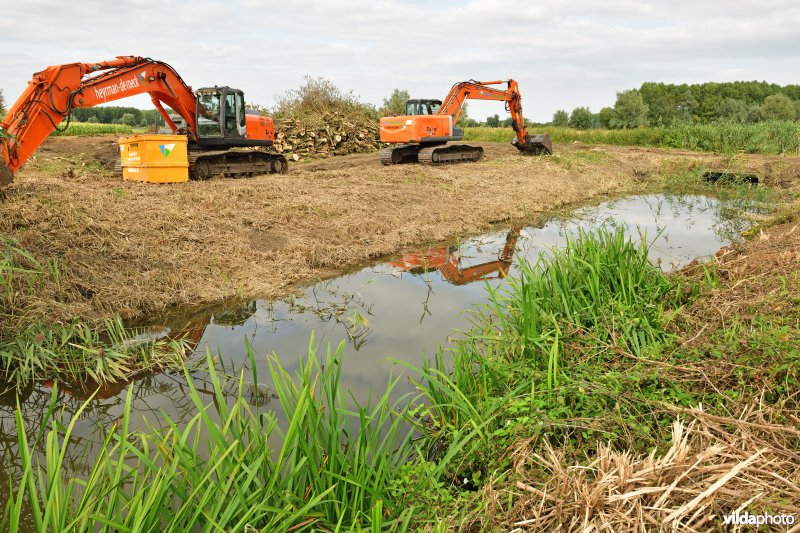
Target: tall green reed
{"points": [[332, 465]]}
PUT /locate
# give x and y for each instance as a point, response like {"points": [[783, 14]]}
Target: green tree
{"points": [[732, 109], [92, 119], [630, 110], [2, 103], [605, 117], [493, 121], [778, 107], [581, 118], [395, 104], [754, 114], [463, 120], [560, 118], [687, 106], [128, 119], [661, 103]]}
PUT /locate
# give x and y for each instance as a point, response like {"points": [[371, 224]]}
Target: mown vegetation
{"points": [[774, 137]]}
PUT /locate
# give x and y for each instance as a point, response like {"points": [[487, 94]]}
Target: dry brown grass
{"points": [[138, 248], [714, 466], [759, 276]]}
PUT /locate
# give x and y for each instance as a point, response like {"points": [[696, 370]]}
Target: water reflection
{"points": [[447, 260]]}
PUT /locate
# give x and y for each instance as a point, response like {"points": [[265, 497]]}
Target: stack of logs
{"points": [[332, 135]]}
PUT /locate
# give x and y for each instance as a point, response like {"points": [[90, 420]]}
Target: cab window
{"points": [[208, 115], [230, 112], [240, 110]]}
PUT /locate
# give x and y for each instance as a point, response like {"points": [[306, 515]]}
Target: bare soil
{"points": [[137, 248]]}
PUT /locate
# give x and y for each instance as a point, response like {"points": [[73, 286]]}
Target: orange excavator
{"points": [[446, 261], [422, 134], [214, 118]]}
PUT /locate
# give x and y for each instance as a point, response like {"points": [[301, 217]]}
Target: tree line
{"points": [[662, 104], [130, 116], [652, 104]]}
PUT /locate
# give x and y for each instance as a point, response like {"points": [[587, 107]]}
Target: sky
{"points": [[564, 54]]}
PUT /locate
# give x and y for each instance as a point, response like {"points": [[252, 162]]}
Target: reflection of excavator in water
{"points": [[216, 121], [422, 133], [447, 262]]}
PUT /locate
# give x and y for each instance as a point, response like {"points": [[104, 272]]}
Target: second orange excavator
{"points": [[422, 134]]}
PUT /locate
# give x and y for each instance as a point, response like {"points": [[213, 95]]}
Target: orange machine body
{"points": [[260, 128], [416, 128]]}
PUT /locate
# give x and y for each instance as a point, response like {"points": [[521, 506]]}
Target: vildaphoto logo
{"points": [[747, 519], [166, 149]]}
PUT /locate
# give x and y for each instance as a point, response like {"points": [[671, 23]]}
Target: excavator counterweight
{"points": [[422, 134]]}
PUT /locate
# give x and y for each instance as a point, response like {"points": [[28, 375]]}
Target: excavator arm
{"points": [[54, 92], [481, 90]]}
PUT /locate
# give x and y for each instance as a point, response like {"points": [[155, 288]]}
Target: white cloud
{"points": [[564, 54]]}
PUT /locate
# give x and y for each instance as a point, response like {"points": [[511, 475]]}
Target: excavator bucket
{"points": [[536, 145]]}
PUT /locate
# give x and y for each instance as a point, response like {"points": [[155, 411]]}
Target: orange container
{"points": [[154, 158]]}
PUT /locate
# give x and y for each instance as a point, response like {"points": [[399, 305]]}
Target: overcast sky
{"points": [[564, 54]]}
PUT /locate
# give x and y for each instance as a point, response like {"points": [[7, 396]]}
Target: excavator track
{"points": [[205, 164], [456, 153], [399, 153]]}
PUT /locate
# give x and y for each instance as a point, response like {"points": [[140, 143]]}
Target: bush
{"points": [[318, 98]]}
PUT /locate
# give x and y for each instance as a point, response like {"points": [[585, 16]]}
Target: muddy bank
{"points": [[137, 248]]}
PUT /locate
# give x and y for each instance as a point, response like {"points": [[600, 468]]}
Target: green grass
{"points": [[599, 286], [71, 352], [81, 355], [537, 355], [232, 468], [589, 345], [82, 128], [776, 137]]}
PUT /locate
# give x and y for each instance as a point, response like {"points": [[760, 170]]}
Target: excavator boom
{"points": [[422, 137]]}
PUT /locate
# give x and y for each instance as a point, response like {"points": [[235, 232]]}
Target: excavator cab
{"points": [[422, 107], [220, 114]]}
